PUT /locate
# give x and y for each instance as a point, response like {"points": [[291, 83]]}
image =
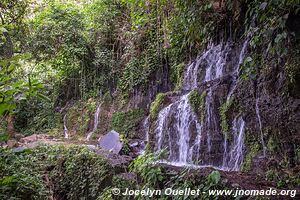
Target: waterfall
{"points": [[216, 61], [146, 127], [174, 128], [260, 127], [210, 117], [183, 118], [237, 69], [65, 127], [215, 58], [161, 124], [190, 141], [96, 122], [234, 159], [195, 148], [235, 76]]}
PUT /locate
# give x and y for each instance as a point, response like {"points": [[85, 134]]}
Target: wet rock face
{"points": [[211, 146], [196, 137], [192, 140], [159, 82], [280, 114]]}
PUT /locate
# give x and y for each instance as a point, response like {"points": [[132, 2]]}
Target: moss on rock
{"points": [[223, 114], [156, 105], [125, 122], [79, 117], [252, 152], [197, 103], [177, 75]]}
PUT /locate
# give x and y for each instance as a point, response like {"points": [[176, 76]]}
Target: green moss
{"points": [[3, 126], [285, 162], [177, 75], [125, 148], [223, 114], [79, 116], [125, 122], [282, 178], [4, 137], [91, 105], [155, 105], [272, 146], [194, 100], [107, 99], [84, 123], [55, 132], [197, 103], [272, 175], [252, 152], [292, 74]]}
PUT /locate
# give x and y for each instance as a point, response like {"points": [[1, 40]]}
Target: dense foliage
{"points": [[72, 172], [60, 58], [125, 122], [83, 49], [53, 172]]}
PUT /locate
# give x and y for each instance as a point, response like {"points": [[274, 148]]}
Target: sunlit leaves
{"points": [[58, 29], [13, 89], [12, 12]]}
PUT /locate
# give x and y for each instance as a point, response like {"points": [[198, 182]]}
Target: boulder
{"points": [[19, 149], [35, 138], [133, 144], [12, 143], [111, 142], [18, 136], [91, 147], [29, 139]]}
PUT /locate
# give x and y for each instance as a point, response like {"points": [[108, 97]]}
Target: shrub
{"points": [[71, 172], [125, 122]]}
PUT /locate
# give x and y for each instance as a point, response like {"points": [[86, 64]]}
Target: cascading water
{"points": [[214, 58], [237, 69], [210, 114], [260, 127], [175, 123], [146, 127], [96, 122], [161, 124], [178, 128], [66, 132], [227, 158], [234, 159]]}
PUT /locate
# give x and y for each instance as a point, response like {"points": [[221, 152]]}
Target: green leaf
{"points": [[248, 59], [214, 177], [3, 30], [4, 107]]}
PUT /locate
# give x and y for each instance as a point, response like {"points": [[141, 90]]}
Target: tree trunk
{"points": [[6, 50], [10, 126]]}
